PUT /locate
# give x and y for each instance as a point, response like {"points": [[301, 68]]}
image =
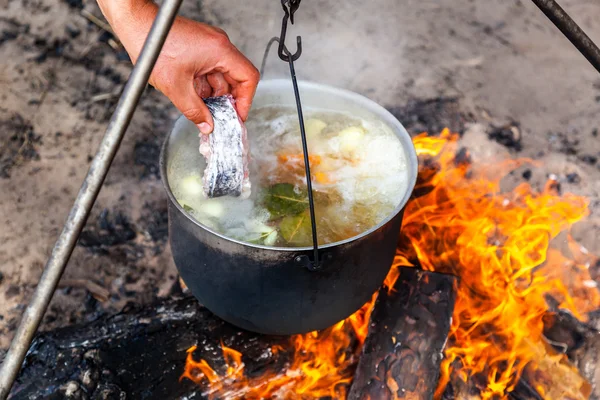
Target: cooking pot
{"points": [[266, 289]]}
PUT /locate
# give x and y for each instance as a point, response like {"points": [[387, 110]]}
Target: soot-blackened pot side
{"points": [[266, 291]]}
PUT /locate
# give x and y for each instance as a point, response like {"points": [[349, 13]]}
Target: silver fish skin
{"points": [[225, 151]]}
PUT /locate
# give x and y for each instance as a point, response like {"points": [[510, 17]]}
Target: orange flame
{"points": [[321, 366], [497, 243]]}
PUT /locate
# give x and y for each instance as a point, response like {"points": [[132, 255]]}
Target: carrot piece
{"points": [[312, 159], [322, 178]]}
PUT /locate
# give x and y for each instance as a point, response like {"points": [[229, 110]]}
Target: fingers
{"points": [[244, 94], [202, 87], [219, 85], [243, 78], [190, 103], [188, 73]]}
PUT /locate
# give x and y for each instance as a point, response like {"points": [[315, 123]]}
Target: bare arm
{"points": [[197, 60]]}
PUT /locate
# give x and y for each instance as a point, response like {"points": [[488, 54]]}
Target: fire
{"points": [[321, 366], [498, 244]]}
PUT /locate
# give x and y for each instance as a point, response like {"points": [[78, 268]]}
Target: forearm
{"points": [[196, 61], [131, 21]]}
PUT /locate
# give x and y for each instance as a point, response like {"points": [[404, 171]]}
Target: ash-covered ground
{"points": [[500, 64]]}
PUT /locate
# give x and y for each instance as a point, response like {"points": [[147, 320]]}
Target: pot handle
{"points": [[304, 260], [266, 55]]}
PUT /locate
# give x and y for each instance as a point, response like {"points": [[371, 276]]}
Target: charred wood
{"points": [[432, 115], [407, 334], [524, 391], [139, 353], [579, 341]]}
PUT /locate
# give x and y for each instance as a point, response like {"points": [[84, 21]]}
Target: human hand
{"points": [[197, 60]]}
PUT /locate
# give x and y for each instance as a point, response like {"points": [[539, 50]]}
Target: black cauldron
{"points": [[265, 289]]}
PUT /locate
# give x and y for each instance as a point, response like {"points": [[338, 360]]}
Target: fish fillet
{"points": [[225, 151]]}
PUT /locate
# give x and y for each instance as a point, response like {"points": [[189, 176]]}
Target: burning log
{"points": [[407, 332], [141, 352], [138, 353]]}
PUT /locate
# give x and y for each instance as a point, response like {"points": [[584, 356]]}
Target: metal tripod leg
{"points": [[87, 195], [571, 30]]}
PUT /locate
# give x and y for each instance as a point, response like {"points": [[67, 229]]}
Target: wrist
{"points": [[131, 21]]}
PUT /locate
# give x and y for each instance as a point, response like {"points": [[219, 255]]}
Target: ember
{"points": [[498, 244]]}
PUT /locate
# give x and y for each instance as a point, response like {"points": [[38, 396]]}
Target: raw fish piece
{"points": [[226, 151]]}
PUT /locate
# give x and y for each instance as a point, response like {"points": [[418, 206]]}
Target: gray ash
{"points": [[56, 49], [508, 135], [107, 232], [462, 157], [158, 226], [155, 221], [72, 31], [11, 291], [564, 143], [432, 115], [573, 178], [147, 154], [589, 159], [10, 29], [555, 186], [18, 143], [76, 4]]}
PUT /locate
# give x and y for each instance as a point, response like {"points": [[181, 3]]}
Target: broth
{"points": [[358, 167]]}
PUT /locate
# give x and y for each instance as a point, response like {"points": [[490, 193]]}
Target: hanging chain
{"points": [[289, 8], [283, 52]]}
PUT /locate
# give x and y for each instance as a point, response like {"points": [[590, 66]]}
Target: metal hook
{"points": [[318, 262], [283, 52]]}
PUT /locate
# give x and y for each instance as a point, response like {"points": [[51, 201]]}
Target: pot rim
{"points": [[385, 115]]}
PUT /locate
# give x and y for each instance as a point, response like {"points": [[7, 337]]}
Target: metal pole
{"points": [[571, 30], [87, 195]]}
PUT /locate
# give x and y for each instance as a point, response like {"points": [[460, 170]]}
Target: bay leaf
{"points": [[259, 238], [296, 229], [282, 200]]}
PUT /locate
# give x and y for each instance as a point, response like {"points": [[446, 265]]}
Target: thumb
{"points": [[193, 108]]}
